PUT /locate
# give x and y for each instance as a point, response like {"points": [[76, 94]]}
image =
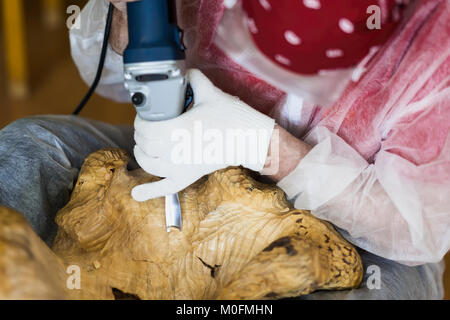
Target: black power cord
{"points": [[101, 62]]}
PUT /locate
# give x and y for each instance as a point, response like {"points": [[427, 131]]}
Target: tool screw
{"points": [[138, 99]]}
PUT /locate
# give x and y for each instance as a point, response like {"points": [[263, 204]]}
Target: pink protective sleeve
{"points": [[380, 166]]}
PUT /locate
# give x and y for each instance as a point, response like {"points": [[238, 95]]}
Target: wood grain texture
{"points": [[241, 239], [28, 268]]}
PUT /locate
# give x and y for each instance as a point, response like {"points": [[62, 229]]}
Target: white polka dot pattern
{"points": [[313, 36], [292, 38], [265, 4], [312, 4], [334, 53], [346, 25], [325, 72], [282, 59], [252, 25]]}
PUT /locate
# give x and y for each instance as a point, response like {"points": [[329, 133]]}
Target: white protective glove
{"points": [[219, 131]]}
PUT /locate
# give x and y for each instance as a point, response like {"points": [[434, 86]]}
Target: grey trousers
{"points": [[40, 158]]}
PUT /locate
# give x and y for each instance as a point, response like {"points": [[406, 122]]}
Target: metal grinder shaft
{"points": [[155, 71]]}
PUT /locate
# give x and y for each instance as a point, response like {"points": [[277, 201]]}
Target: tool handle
{"points": [[153, 33]]}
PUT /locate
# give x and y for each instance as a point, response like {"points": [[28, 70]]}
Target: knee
{"points": [[22, 130], [25, 134], [21, 127]]}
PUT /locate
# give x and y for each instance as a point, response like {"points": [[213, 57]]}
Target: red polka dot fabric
{"points": [[307, 36]]}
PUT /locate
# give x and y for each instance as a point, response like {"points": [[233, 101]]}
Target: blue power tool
{"points": [[155, 71]]}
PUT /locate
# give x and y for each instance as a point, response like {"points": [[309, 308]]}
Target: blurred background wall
{"points": [[52, 83], [37, 75]]}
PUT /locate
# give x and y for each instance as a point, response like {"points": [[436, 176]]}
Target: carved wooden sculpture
{"points": [[28, 268], [241, 239]]}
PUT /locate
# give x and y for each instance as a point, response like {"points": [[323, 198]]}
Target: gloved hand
{"points": [[219, 131]]}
